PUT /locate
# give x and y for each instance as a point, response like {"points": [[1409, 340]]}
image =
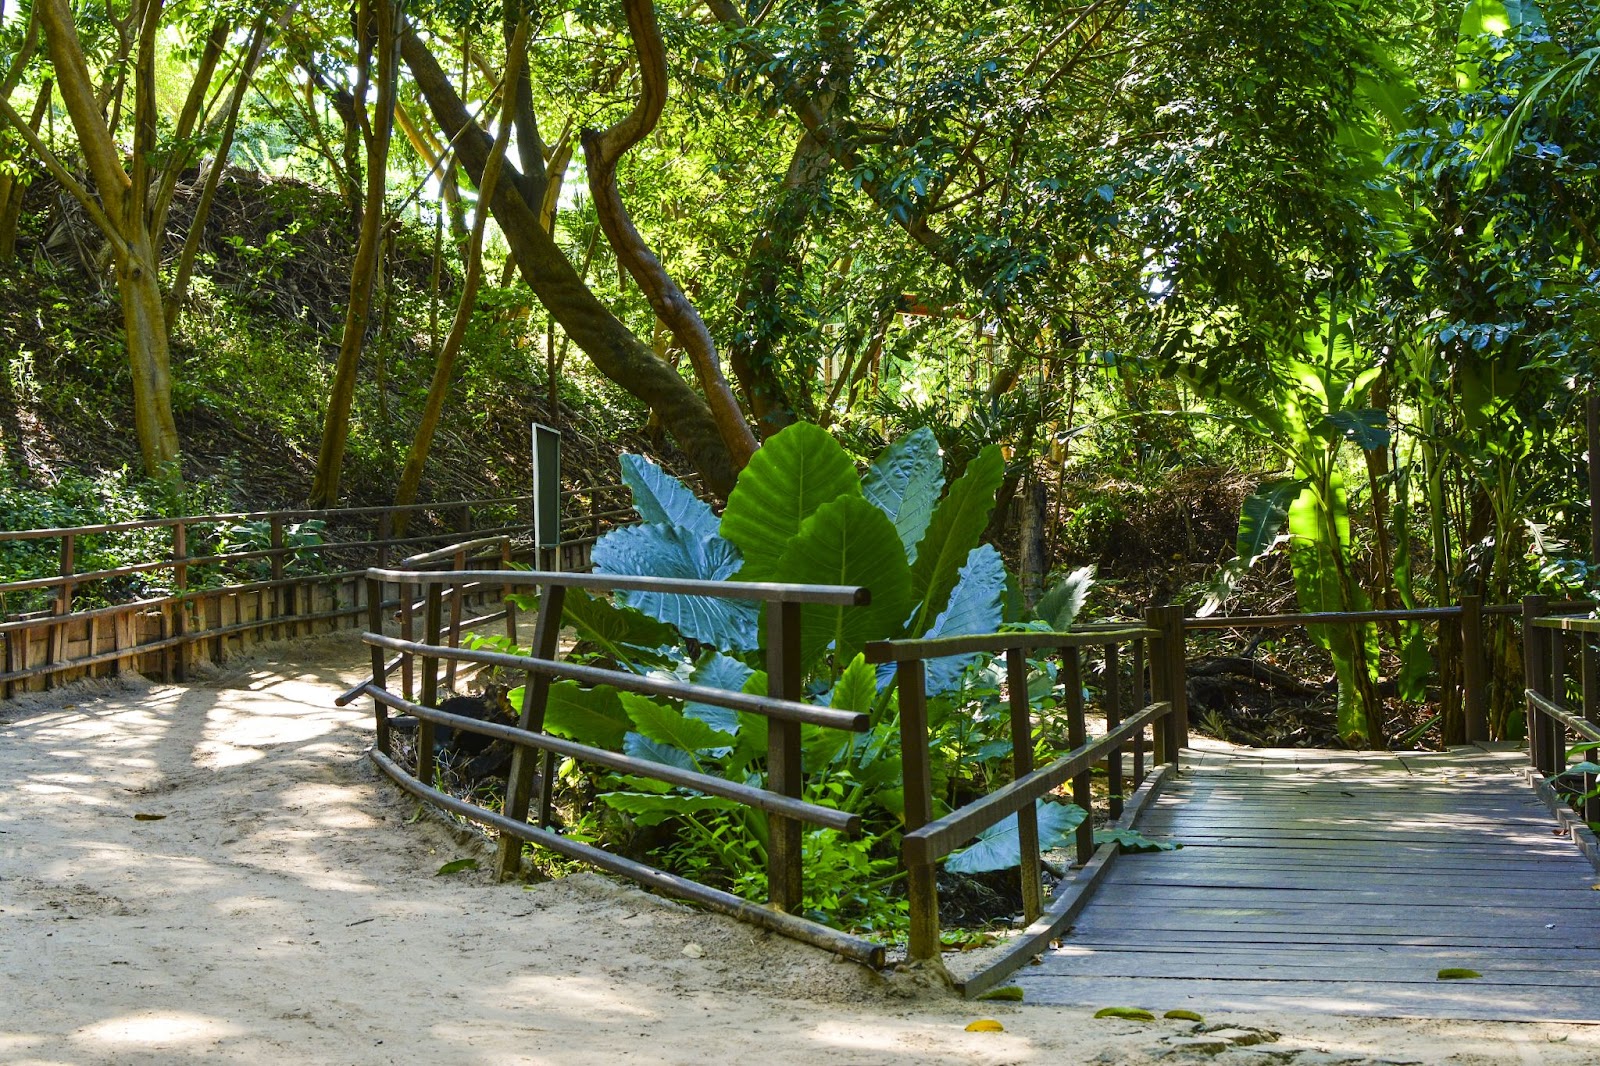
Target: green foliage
{"points": [[794, 474], [957, 523], [997, 847]]}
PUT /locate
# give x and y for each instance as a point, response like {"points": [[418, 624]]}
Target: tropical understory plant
{"points": [[801, 513]]}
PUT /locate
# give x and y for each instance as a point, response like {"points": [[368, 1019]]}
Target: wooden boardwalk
{"points": [[1342, 882]]}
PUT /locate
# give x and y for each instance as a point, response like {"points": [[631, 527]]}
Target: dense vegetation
{"points": [[1328, 266]]}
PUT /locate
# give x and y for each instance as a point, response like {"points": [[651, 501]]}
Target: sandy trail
{"points": [[283, 909]]}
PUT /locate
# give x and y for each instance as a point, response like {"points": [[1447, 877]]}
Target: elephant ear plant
{"points": [[801, 513]]}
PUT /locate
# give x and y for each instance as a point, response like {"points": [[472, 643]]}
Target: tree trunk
{"points": [[609, 344], [672, 305], [336, 425], [139, 286]]}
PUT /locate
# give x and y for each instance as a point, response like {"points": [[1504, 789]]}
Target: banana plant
{"points": [[1313, 403]]}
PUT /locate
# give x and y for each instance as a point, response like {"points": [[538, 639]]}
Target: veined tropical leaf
{"points": [[1060, 606], [999, 847], [716, 670], [904, 483], [974, 608], [672, 551], [848, 542], [668, 725], [799, 469], [958, 522], [662, 499], [642, 747], [857, 687], [650, 808], [611, 626], [592, 716]]}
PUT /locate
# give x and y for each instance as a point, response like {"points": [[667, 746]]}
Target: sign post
{"points": [[547, 494]]}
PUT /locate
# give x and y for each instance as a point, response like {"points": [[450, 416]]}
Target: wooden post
{"points": [[785, 888], [1169, 676], [408, 631], [1589, 672], [1591, 407], [459, 562], [1474, 667], [506, 590], [1021, 766], [1077, 737], [1556, 735], [1536, 675], [1140, 702], [380, 711], [535, 698], [434, 624], [56, 641], [1114, 719], [279, 593], [922, 889], [466, 518], [180, 607]]}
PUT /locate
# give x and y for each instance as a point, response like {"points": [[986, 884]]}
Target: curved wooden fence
{"points": [[203, 585]]}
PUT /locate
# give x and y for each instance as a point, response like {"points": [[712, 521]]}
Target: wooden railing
{"points": [[530, 781], [928, 840], [191, 600], [1556, 651]]}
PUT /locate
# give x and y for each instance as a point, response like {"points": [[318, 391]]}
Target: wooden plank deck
{"points": [[1342, 882]]}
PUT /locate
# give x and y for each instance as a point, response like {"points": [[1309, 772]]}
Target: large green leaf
{"points": [[642, 747], [716, 670], [668, 725], [614, 628], [857, 687], [592, 716], [974, 608], [958, 522], [648, 808], [1262, 516], [999, 846], [904, 483], [798, 470], [1060, 606], [662, 499], [848, 542], [673, 551]]}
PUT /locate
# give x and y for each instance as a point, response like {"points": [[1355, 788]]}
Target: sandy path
{"points": [[284, 911]]}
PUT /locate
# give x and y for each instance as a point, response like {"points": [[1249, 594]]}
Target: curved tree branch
{"points": [[602, 150]]}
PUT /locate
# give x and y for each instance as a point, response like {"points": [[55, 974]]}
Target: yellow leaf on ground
{"points": [[986, 1025]]}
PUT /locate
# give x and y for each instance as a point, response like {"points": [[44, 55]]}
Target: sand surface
{"points": [[284, 908]]}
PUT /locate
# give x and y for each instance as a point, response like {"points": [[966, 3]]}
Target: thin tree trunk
{"points": [[336, 426], [439, 387], [219, 165]]}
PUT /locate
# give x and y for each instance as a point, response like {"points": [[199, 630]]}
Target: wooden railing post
{"points": [[506, 591], [279, 593], [459, 562], [922, 889], [1474, 685], [380, 711], [180, 607], [1589, 675], [1140, 702], [1536, 674], [433, 633], [1077, 737], [1113, 709], [785, 882], [1169, 681], [1556, 737], [408, 631], [56, 642], [1021, 766], [535, 698]]}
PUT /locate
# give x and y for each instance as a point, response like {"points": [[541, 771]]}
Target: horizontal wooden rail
{"points": [[943, 835], [749, 795], [766, 706], [777, 921], [1562, 714], [897, 651], [770, 592], [1314, 618]]}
